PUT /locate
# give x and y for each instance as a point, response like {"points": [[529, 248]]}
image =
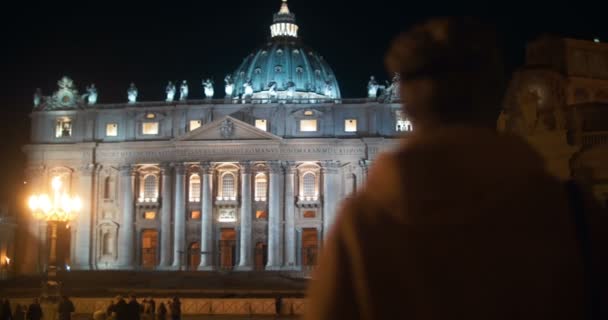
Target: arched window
{"points": [[309, 185], [228, 186], [260, 187], [107, 192], [150, 188], [195, 188]]}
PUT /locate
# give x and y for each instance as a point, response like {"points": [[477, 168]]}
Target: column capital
{"points": [[206, 167], [89, 168], [274, 166], [364, 164], [165, 168], [179, 168], [289, 167], [246, 167], [127, 170], [330, 166]]}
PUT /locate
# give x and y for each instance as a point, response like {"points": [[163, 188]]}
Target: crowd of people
{"points": [[65, 308], [120, 309]]}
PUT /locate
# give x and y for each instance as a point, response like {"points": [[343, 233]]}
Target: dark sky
{"points": [[112, 43]]}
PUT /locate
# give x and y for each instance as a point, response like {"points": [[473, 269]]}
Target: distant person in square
{"points": [[459, 222]]}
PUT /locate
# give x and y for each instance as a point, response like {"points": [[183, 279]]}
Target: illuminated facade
{"points": [[248, 181]]}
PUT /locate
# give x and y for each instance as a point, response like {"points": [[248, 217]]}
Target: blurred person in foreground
{"points": [[459, 222]]}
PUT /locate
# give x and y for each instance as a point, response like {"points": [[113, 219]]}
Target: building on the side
{"points": [[559, 102], [250, 181]]}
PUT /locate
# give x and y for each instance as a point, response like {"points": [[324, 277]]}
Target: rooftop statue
{"points": [[132, 93], [183, 91], [291, 89], [373, 87], [229, 86], [272, 90], [91, 94], [208, 88], [328, 90], [37, 97], [248, 89], [65, 97], [395, 92], [170, 90]]}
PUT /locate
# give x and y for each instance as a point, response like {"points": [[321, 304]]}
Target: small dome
{"points": [[285, 64]]}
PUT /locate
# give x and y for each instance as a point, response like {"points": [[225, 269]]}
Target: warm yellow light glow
{"points": [[308, 125], [8, 260], [56, 183], [61, 207]]}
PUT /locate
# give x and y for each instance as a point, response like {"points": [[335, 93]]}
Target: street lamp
{"points": [[59, 207]]}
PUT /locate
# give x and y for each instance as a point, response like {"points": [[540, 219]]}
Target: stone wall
{"points": [[85, 307]]}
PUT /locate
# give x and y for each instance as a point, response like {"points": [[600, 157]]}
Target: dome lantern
{"points": [[284, 23]]}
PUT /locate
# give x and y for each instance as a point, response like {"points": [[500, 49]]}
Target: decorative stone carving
{"points": [[246, 167], [208, 88], [227, 129], [132, 93], [91, 94], [66, 97], [330, 167], [183, 91], [170, 91]]}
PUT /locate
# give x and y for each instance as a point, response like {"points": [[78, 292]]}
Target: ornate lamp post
{"points": [[59, 207]]}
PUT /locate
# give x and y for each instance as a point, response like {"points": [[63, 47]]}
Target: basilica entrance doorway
{"points": [[310, 246], [261, 255], [149, 243], [227, 248]]}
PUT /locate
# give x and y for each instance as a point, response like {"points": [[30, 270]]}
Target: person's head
{"points": [[132, 298], [35, 301], [452, 73], [65, 298]]}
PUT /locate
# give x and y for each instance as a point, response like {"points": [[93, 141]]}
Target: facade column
{"points": [[207, 217], [82, 244], [165, 217], [290, 223], [126, 232], [364, 165], [246, 218], [179, 217], [274, 216], [330, 194], [28, 241]]}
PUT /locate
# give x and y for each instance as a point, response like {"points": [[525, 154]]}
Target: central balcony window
{"points": [[227, 190], [149, 190]]}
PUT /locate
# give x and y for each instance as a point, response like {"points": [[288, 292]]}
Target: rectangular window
{"points": [[308, 125], [195, 215], [261, 214], [150, 215], [310, 214], [261, 124], [350, 125], [194, 124], [150, 128], [111, 130], [63, 128]]}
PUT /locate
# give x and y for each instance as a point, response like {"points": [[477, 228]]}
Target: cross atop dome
{"points": [[284, 23], [284, 8]]}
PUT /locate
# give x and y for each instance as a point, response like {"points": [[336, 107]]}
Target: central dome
{"points": [[284, 67]]}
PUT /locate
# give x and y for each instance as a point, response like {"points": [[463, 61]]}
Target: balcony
{"points": [[226, 201], [308, 201], [147, 202]]}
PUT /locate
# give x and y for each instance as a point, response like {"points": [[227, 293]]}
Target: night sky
{"points": [[113, 43]]}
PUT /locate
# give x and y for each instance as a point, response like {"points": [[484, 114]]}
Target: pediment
{"points": [[227, 128]]}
